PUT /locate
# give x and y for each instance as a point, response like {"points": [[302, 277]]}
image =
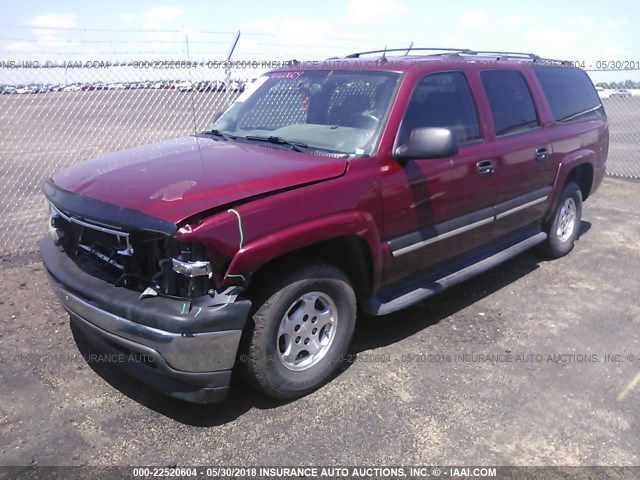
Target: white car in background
{"points": [[621, 93], [22, 90], [184, 86], [116, 86], [71, 88], [603, 93]]}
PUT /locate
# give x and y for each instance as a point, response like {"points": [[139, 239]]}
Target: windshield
{"points": [[336, 111]]}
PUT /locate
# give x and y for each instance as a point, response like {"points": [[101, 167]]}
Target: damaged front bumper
{"points": [[183, 348]]}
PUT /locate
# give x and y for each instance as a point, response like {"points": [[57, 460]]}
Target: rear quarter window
{"points": [[570, 94]]}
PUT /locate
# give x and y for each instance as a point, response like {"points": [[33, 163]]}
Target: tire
{"points": [[312, 303], [565, 224]]}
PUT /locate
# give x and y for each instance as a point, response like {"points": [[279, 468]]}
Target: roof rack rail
{"points": [[532, 56], [522, 55], [555, 60], [463, 51], [412, 49]]}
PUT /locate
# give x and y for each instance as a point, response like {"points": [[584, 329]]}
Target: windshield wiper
{"points": [[218, 133], [297, 146]]}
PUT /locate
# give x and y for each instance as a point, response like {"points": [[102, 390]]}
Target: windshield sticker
{"points": [[251, 88], [297, 74]]}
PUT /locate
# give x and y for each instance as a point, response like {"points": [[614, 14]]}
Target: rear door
{"points": [[523, 172]]}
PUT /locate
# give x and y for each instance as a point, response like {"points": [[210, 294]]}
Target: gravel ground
{"points": [[509, 368]]}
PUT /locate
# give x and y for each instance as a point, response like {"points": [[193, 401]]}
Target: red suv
{"points": [[366, 183]]}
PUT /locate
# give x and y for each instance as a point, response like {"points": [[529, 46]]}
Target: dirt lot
{"points": [[508, 368]]}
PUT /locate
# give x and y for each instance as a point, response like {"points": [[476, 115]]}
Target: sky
{"points": [[588, 31]]}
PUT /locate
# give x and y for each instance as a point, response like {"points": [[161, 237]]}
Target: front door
{"points": [[437, 209]]}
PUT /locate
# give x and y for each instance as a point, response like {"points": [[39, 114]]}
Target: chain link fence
{"points": [[623, 111], [42, 133], [57, 111]]}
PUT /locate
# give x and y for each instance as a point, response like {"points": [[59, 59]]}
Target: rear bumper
{"points": [[184, 349]]}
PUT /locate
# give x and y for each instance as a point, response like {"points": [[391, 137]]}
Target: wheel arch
{"points": [[350, 241], [578, 168], [582, 174], [349, 253]]}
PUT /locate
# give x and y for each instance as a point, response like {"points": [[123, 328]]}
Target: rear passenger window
{"points": [[570, 94], [511, 104], [442, 100]]}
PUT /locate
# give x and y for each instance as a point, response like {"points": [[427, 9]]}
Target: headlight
{"points": [[189, 269], [192, 261]]}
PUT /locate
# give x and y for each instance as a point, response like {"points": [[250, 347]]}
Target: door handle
{"points": [[485, 168], [541, 154]]}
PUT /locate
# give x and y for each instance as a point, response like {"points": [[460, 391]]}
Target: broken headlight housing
{"points": [[135, 260], [193, 269]]}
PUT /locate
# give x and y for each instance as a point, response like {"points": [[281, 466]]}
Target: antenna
{"points": [[409, 49]]}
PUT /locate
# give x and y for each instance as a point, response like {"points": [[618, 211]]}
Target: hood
{"points": [[178, 178]]}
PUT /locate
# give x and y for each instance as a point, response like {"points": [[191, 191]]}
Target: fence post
{"points": [[231, 50]]}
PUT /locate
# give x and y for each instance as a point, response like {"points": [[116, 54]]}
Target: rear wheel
{"points": [[564, 227], [301, 329]]}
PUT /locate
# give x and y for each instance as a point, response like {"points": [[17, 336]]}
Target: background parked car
{"points": [[184, 86], [39, 89], [95, 86], [621, 93], [205, 86]]}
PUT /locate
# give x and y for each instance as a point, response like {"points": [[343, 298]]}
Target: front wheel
{"points": [[300, 330], [564, 227]]}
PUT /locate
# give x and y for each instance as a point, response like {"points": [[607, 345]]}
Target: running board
{"points": [[377, 306]]}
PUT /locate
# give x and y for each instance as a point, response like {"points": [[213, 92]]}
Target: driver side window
{"points": [[442, 100]]}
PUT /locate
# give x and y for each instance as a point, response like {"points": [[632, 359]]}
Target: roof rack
{"points": [[520, 55], [431, 49], [463, 51], [532, 56]]}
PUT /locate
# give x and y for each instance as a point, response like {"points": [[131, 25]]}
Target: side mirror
{"points": [[430, 142]]}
